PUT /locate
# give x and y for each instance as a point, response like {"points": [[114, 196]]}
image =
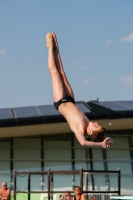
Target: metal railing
{"points": [[81, 172]]}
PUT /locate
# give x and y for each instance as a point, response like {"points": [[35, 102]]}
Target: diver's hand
{"points": [[107, 143]]}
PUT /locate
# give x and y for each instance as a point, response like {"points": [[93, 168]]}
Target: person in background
{"points": [[5, 192], [93, 198], [66, 196], [78, 195]]}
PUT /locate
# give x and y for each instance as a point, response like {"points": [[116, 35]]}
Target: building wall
{"points": [[63, 152]]}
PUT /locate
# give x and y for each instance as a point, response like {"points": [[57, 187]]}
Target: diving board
{"points": [[121, 197]]}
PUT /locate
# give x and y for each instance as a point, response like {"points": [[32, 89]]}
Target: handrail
{"points": [[52, 172]]}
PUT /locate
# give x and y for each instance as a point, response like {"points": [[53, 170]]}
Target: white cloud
{"points": [[127, 80], [2, 52], [128, 38], [83, 67], [94, 58], [108, 42], [106, 81], [77, 63], [80, 65], [86, 81]]}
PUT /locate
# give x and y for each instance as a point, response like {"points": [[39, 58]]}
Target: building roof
{"points": [[46, 114]]}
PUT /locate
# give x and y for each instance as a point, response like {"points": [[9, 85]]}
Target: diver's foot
{"points": [[55, 41], [49, 40]]}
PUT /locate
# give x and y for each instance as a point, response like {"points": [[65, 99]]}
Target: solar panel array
{"points": [[49, 110], [46, 110], [26, 112], [117, 105], [82, 107], [6, 113]]}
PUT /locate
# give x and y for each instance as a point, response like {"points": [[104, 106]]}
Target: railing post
{"points": [[48, 173], [14, 185], [29, 185], [119, 181], [81, 179], [86, 183], [73, 180]]}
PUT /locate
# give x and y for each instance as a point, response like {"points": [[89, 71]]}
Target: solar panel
{"points": [[6, 113], [82, 107], [117, 105], [26, 112], [127, 103], [48, 110]]}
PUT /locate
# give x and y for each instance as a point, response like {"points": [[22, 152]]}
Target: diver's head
{"points": [[96, 132]]}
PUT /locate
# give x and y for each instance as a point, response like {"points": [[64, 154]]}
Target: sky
{"points": [[95, 41]]}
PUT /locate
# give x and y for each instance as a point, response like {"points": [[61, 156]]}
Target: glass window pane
{"points": [[120, 142], [5, 172], [62, 182], [26, 142], [55, 153], [23, 166], [5, 162], [126, 184], [81, 156], [99, 179], [120, 158], [27, 156]]}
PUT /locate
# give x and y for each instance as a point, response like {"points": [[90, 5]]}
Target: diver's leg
{"points": [[57, 84], [67, 86]]}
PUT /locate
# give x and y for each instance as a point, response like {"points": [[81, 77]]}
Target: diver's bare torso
{"points": [[76, 119]]}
